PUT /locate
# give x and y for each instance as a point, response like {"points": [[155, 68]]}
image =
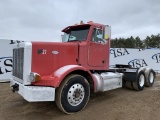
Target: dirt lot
{"points": [[119, 104]]}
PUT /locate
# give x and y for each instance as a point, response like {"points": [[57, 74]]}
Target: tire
{"points": [[139, 83], [129, 85], [73, 94], [150, 77]]}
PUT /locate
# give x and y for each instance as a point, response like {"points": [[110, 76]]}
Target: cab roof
{"points": [[83, 25]]}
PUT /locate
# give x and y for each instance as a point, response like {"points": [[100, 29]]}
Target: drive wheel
{"points": [[140, 81], [150, 77], [129, 85], [73, 94]]}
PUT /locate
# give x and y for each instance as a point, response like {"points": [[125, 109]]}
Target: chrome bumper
{"points": [[33, 93]]}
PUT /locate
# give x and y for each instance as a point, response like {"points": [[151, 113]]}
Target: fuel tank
{"points": [[108, 81]]}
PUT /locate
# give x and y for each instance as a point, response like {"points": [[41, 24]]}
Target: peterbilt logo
{"points": [[119, 52], [136, 63], [55, 52], [156, 57], [5, 65]]}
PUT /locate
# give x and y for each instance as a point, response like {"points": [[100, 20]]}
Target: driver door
{"points": [[97, 51]]}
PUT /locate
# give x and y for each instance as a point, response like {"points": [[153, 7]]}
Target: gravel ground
{"points": [[119, 104]]}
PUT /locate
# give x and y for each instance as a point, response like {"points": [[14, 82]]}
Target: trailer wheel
{"points": [[139, 83], [150, 76], [73, 94]]}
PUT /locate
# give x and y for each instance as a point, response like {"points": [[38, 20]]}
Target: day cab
{"points": [[68, 72]]}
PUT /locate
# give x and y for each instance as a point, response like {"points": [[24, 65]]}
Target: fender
{"points": [[141, 69], [57, 77], [145, 69]]}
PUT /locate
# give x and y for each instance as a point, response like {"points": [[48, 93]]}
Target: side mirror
{"points": [[107, 32]]}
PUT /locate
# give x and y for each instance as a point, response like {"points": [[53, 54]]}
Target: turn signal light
{"points": [[34, 77]]}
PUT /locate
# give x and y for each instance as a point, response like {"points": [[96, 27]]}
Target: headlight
{"points": [[34, 77]]}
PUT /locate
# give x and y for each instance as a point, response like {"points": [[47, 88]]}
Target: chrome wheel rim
{"points": [[151, 77], [76, 94], [141, 80]]}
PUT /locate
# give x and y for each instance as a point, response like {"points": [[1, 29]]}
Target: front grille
{"points": [[18, 60]]}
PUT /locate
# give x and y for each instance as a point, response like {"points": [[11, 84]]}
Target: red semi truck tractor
{"points": [[68, 72]]}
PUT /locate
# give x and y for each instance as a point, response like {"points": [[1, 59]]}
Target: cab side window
{"points": [[97, 36]]}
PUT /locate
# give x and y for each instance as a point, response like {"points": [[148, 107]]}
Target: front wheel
{"points": [[73, 94]]}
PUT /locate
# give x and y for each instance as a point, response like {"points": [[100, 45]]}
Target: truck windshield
{"points": [[76, 34]]}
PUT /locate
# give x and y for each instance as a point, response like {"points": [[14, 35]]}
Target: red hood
{"points": [[49, 56]]}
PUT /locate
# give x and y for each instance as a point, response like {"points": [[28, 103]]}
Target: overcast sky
{"points": [[44, 19]]}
